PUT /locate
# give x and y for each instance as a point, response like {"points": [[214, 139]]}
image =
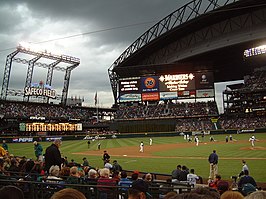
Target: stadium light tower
{"points": [[40, 89]]}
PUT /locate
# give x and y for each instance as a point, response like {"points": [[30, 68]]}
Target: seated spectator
{"points": [[183, 174], [11, 192], [207, 192], [85, 162], [135, 176], [213, 184], [53, 175], [176, 173], [116, 166], [246, 179], [124, 182], [232, 195], [106, 184], [192, 178], [74, 177], [116, 176], [108, 165], [222, 186], [257, 195], [68, 193], [139, 190]]}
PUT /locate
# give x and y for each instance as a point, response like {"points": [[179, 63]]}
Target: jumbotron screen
{"points": [[164, 87]]}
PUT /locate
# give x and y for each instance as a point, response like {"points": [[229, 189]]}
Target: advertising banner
{"points": [[129, 86], [149, 84], [205, 93], [168, 95], [178, 82], [150, 96], [204, 80], [130, 97]]}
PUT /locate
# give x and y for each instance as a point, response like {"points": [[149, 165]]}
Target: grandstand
{"points": [[162, 84]]}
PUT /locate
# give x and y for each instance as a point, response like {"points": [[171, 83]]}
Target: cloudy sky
{"points": [[96, 31]]}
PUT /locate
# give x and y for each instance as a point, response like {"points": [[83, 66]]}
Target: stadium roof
{"points": [[226, 62]]}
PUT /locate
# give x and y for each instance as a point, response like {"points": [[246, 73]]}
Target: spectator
{"points": [[244, 167], [108, 165], [38, 151], [246, 179], [106, 184], [214, 183], [257, 195], [183, 174], [74, 177], [232, 195], [176, 173], [139, 190], [85, 162], [124, 182], [53, 174], [5, 146], [2, 152], [222, 186], [135, 176], [53, 155], [68, 193], [11, 192], [116, 166], [192, 178]]}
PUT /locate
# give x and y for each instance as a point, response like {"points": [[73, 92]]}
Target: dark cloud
{"points": [[103, 29]]}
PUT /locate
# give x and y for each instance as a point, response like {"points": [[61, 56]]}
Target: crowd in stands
{"points": [[256, 81], [173, 110], [111, 181], [243, 122], [194, 124], [25, 110]]}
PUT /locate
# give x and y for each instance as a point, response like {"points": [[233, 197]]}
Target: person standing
{"points": [[213, 160], [150, 141], [230, 138], [5, 146], [141, 147], [89, 143], [99, 146], [244, 167], [226, 138], [38, 151], [197, 140], [116, 166], [252, 140], [53, 155], [106, 157]]}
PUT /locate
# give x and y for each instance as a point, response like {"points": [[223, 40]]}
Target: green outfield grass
{"points": [[230, 154]]}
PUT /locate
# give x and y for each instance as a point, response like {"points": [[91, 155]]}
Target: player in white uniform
{"points": [[141, 147], [150, 141], [252, 139]]}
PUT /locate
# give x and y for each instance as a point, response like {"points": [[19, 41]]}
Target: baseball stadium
{"points": [[167, 114]]}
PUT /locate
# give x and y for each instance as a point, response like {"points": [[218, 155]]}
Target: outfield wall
{"points": [[23, 139]]}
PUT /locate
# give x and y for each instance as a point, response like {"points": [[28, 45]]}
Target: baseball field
{"points": [[167, 152]]}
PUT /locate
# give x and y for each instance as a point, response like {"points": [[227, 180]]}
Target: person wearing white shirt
{"points": [[192, 178], [150, 141], [141, 147]]}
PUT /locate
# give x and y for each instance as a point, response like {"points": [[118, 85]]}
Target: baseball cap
{"points": [[140, 185]]}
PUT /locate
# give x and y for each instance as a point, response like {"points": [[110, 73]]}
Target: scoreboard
{"points": [[164, 87], [37, 126]]}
